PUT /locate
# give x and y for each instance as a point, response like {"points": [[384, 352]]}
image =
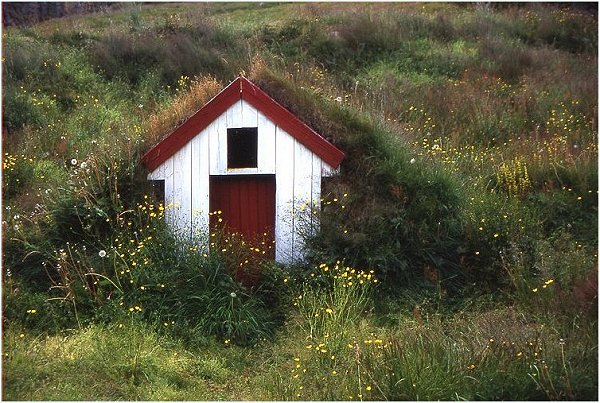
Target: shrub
{"points": [[124, 55], [17, 172], [496, 227], [188, 51], [138, 267], [503, 58], [18, 111], [290, 39], [26, 57], [99, 188], [176, 283], [563, 28], [570, 210], [32, 310], [25, 243], [555, 278]]}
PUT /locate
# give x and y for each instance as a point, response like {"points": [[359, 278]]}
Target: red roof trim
{"points": [[244, 89]]}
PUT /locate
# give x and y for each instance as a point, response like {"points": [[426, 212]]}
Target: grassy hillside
{"points": [[457, 254]]}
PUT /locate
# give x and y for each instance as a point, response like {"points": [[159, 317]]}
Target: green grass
{"points": [[469, 188], [125, 361], [426, 355]]}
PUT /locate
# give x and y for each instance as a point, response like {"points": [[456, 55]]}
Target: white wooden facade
{"points": [[297, 169]]}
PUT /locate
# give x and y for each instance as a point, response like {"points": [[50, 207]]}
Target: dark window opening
{"points": [[158, 189], [242, 147]]}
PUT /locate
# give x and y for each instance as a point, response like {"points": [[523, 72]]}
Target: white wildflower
{"points": [[73, 162], [102, 253]]}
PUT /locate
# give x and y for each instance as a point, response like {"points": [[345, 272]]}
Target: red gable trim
{"points": [[244, 89]]}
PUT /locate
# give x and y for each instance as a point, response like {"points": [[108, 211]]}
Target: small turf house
{"points": [[245, 155]]}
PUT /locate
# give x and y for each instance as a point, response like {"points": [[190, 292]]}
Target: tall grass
{"points": [[503, 353], [194, 93]]}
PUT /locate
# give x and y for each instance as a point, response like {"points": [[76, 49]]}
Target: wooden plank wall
{"points": [[298, 178]]}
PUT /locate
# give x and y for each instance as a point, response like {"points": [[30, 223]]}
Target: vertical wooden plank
{"points": [[302, 197], [237, 206], [262, 205], [225, 203], [242, 207], [159, 172], [217, 131], [222, 151], [255, 197], [214, 200], [233, 119], [200, 187], [182, 190], [284, 198], [270, 216], [266, 145], [249, 115], [169, 211], [249, 198], [245, 208], [214, 145], [315, 199], [234, 115], [228, 207]]}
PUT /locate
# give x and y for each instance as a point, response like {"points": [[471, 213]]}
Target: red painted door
{"points": [[247, 205]]}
